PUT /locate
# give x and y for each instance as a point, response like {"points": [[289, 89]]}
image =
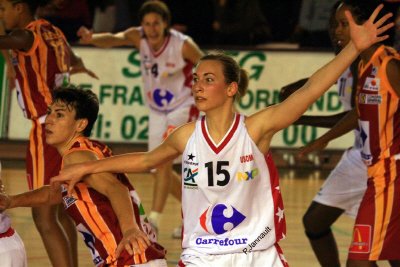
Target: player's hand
{"points": [[85, 35], [80, 67], [11, 76], [134, 241], [316, 145], [71, 175], [363, 36]]}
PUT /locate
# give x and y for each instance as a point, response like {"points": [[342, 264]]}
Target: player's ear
{"points": [[232, 89], [82, 123]]}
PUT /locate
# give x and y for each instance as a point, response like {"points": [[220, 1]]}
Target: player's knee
{"points": [[313, 227], [309, 221], [314, 235], [44, 221]]}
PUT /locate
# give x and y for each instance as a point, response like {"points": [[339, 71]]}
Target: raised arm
{"points": [[362, 36], [129, 37]]}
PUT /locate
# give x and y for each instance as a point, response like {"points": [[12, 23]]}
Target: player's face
{"points": [[342, 31], [9, 14], [154, 28], [209, 86], [61, 125]]}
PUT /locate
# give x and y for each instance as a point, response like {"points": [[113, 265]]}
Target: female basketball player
{"points": [[42, 60], [232, 208], [167, 59]]}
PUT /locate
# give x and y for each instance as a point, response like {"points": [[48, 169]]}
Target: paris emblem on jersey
{"points": [[372, 84], [219, 219]]}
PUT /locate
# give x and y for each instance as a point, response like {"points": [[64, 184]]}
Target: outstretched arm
{"points": [[130, 37], [326, 121], [46, 195], [171, 148], [321, 121], [362, 37]]}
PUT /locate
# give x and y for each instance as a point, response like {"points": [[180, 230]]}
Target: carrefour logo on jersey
{"points": [[219, 219], [161, 97]]}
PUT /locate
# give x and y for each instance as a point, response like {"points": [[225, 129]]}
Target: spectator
{"points": [[240, 22], [312, 28], [68, 15]]}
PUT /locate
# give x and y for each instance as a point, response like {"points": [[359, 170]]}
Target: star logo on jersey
{"points": [[162, 98], [191, 157], [219, 219]]}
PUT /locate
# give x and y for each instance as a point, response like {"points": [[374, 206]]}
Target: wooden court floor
{"points": [[298, 188]]}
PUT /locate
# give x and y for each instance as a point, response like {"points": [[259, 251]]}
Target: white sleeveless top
{"points": [[344, 85], [5, 223], [230, 200], [167, 77]]}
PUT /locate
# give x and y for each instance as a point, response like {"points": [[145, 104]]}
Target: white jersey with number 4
{"points": [[231, 200], [167, 76]]}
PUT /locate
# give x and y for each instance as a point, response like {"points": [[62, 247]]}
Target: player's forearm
{"points": [[320, 121], [321, 80], [131, 162], [105, 40], [122, 205], [36, 198], [346, 124]]}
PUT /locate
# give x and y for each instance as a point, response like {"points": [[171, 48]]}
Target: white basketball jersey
{"points": [[5, 222], [345, 88], [231, 201], [167, 77]]}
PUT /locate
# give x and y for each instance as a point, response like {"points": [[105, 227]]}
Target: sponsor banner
{"points": [[124, 116]]}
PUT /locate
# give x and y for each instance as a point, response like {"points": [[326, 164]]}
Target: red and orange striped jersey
{"points": [[41, 69], [378, 108], [96, 221]]}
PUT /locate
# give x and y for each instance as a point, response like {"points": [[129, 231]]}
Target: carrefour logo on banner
{"points": [[219, 219]]}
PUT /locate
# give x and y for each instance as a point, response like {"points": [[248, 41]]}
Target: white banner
{"points": [[124, 117]]}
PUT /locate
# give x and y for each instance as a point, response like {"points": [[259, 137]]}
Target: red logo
{"points": [[361, 242], [169, 130]]}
